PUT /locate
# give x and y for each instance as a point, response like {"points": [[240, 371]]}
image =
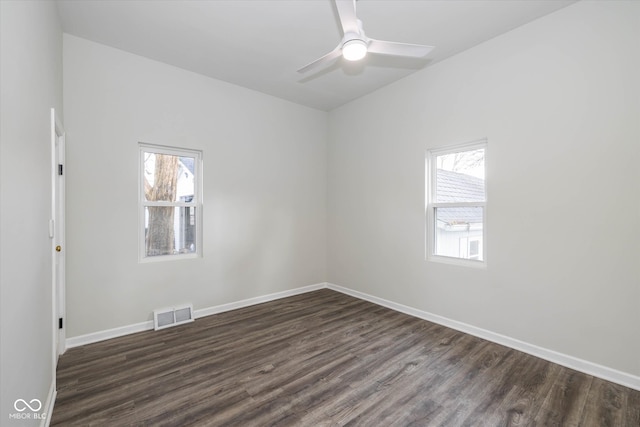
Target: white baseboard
{"points": [[145, 326], [107, 335], [256, 300], [48, 405], [590, 368]]}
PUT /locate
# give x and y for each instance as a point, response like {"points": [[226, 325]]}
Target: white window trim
{"points": [[430, 206], [142, 203]]}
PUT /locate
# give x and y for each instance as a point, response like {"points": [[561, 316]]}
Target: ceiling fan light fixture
{"points": [[354, 50], [355, 45]]}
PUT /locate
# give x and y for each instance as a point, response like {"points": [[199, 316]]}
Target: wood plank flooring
{"points": [[325, 359]]}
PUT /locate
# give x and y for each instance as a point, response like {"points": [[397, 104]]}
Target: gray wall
{"points": [[31, 84], [264, 188], [559, 101]]}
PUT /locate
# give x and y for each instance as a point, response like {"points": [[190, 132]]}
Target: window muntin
{"points": [[170, 203], [456, 204]]}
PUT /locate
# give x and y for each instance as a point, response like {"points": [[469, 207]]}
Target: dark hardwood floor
{"points": [[325, 359]]}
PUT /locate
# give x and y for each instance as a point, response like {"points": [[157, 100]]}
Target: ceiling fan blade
{"points": [[398, 49], [325, 60], [347, 14]]}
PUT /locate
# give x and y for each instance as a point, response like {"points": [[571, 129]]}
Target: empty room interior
{"points": [[213, 214]]}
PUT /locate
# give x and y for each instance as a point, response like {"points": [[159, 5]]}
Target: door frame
{"points": [[57, 234]]}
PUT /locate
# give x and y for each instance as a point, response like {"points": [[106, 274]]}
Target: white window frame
{"points": [[431, 205], [196, 202]]}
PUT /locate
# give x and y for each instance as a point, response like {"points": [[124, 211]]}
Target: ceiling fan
{"points": [[355, 44]]}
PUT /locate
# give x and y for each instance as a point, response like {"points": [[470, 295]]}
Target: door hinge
{"points": [[60, 323], [60, 169]]}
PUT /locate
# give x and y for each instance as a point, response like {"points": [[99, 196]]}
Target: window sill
{"points": [[161, 258], [458, 261]]}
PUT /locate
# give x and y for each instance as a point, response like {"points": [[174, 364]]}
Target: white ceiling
{"points": [[259, 44]]}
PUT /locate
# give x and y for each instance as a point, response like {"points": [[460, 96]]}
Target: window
{"points": [[456, 204], [170, 203]]}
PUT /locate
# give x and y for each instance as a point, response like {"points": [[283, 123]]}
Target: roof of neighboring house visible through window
{"points": [[189, 163], [456, 187]]}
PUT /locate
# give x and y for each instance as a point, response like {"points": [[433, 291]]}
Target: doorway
{"points": [[57, 234]]}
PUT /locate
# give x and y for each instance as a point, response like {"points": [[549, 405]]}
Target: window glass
{"points": [[170, 204], [456, 202], [170, 230], [460, 177], [454, 225]]}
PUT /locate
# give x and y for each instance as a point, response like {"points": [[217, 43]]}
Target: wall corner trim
{"points": [[584, 366]]}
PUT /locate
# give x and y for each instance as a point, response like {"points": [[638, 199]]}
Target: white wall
{"points": [[264, 188], [559, 101], [31, 84]]}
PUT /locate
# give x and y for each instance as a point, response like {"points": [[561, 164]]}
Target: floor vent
{"points": [[172, 316]]}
